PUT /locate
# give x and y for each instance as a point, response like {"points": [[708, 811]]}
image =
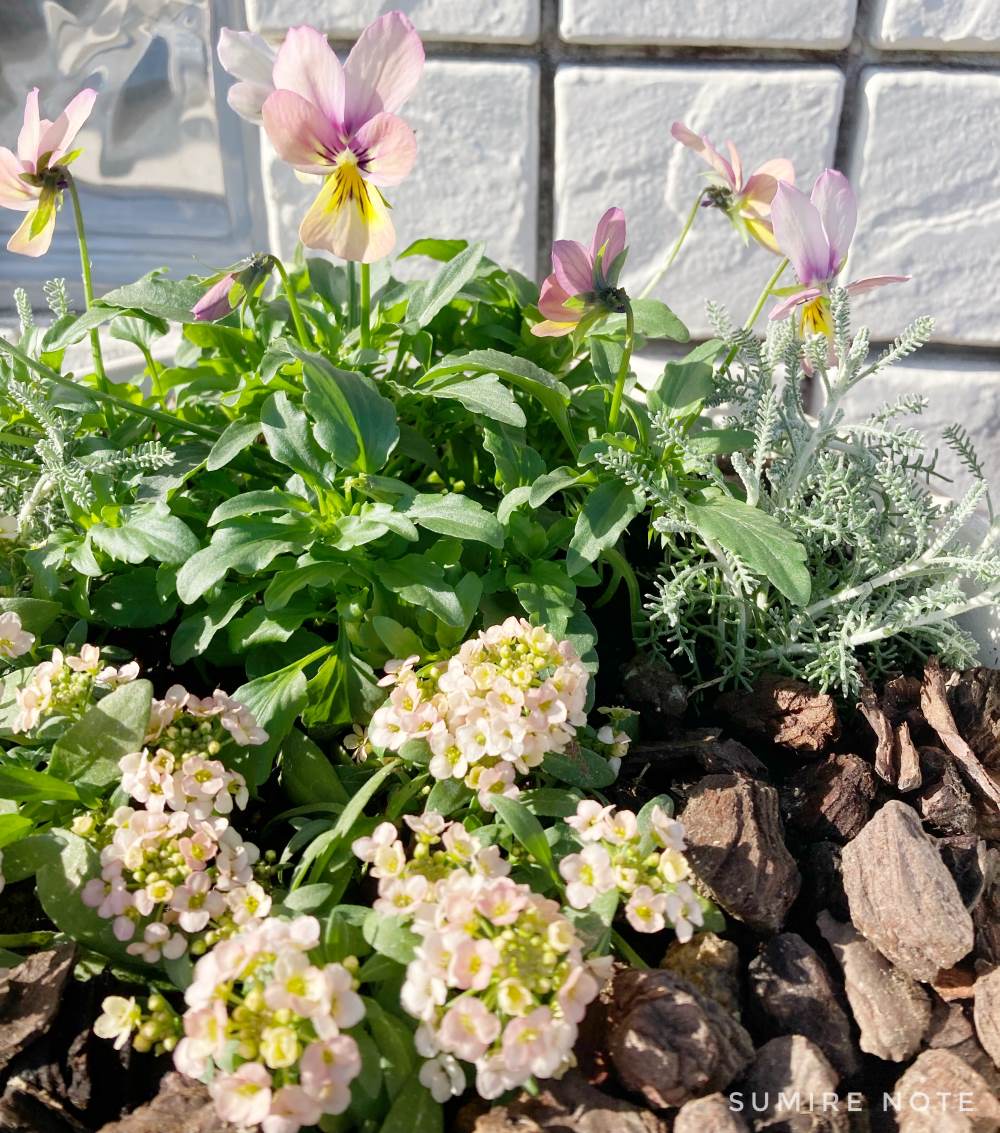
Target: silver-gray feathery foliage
{"points": [[893, 562]]}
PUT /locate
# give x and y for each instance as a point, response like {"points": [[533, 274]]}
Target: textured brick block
{"points": [[476, 175], [956, 25], [613, 147], [926, 176], [511, 21], [966, 391], [767, 23]]}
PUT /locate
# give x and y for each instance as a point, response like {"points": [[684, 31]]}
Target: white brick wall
{"points": [[536, 115]]}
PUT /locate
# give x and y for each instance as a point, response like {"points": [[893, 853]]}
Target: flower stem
{"points": [[779, 271], [366, 306], [352, 294], [675, 250], [619, 390], [88, 282], [293, 303]]}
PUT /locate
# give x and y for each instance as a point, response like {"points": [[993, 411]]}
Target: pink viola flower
{"points": [[340, 122], [747, 203], [31, 181], [815, 233], [583, 284], [250, 60]]}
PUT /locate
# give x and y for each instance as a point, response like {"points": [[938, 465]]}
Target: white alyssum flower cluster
{"points": [[493, 711], [267, 1024], [650, 872], [499, 979], [15, 640], [175, 866], [64, 685]]}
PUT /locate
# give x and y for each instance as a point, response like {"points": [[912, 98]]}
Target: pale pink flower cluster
{"points": [[650, 872], [492, 711], [177, 868], [64, 685], [259, 995], [499, 979], [15, 640]]}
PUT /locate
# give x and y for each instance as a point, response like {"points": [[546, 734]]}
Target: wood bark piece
{"points": [[713, 1114], [792, 990], [986, 1013], [736, 848], [654, 689], [790, 1070], [569, 1103], [935, 1089], [785, 711], [669, 1043], [945, 803], [886, 759], [951, 1029], [30, 995], [910, 776], [986, 915], [902, 897], [832, 799], [182, 1106], [974, 699], [934, 704], [711, 964], [892, 1011]]}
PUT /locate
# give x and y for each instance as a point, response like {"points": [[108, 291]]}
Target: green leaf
{"points": [[254, 503], [60, 883], [89, 751], [653, 319], [550, 393], [287, 583], [713, 442], [457, 516], [19, 784], [390, 936], [526, 829], [195, 633], [72, 328], [36, 614], [275, 700], [484, 394], [605, 514], [434, 249], [447, 796], [580, 767], [517, 463], [759, 539], [13, 827], [147, 531], [431, 297], [307, 775], [247, 546], [550, 802], [157, 295], [545, 487], [394, 1038], [344, 690], [355, 808], [131, 600], [546, 592], [414, 1111], [421, 582], [140, 330], [289, 438], [352, 421], [682, 387], [237, 436]]}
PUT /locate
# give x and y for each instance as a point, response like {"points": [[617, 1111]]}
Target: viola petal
{"points": [[300, 133], [386, 149], [609, 235], [572, 267], [349, 219], [214, 304], [837, 206], [800, 235], [24, 244], [552, 329], [552, 302], [58, 137], [794, 301], [780, 168], [383, 69], [860, 286], [14, 193], [306, 64], [705, 150], [250, 59], [736, 163], [31, 130]]}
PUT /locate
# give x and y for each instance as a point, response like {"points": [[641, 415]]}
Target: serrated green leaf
{"points": [[89, 751]]}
